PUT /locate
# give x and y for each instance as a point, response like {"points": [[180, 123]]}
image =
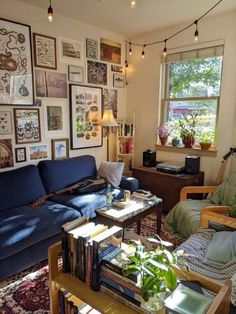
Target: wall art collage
{"points": [[28, 76]]}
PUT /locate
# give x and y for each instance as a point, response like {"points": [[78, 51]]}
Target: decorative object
{"points": [[45, 51], [110, 51], [6, 155], [97, 72], [5, 122], [27, 125], [117, 68], [38, 152], [70, 51], [75, 74], [110, 100], [91, 48], [187, 129], [50, 84], [50, 12], [163, 131], [20, 154], [54, 118], [16, 73], [205, 138], [85, 114], [60, 148], [175, 141], [118, 80]]}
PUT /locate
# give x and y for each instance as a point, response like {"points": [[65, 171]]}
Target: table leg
{"points": [[138, 226]]}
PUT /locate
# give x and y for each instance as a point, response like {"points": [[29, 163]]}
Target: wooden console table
{"points": [[165, 185]]}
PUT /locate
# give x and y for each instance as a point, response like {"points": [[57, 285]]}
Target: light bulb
{"points": [[143, 54], [164, 52], [133, 4], [50, 13], [196, 36], [130, 51]]}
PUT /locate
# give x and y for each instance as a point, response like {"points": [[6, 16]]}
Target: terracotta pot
{"points": [[205, 146], [188, 141], [163, 139]]}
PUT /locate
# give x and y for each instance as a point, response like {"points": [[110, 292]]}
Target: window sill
{"points": [[183, 150]]}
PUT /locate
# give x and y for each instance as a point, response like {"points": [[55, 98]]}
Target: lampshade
{"points": [[108, 118]]}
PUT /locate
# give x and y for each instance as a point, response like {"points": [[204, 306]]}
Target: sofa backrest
{"points": [[58, 174], [20, 187]]}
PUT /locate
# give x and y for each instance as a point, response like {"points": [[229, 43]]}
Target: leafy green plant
{"points": [[187, 126], [206, 136]]}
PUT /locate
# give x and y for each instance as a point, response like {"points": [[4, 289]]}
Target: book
{"points": [[145, 195]]}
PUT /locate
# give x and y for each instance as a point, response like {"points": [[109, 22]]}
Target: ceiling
{"points": [[118, 17]]}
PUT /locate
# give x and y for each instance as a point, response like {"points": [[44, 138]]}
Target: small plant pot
{"points": [[163, 139], [205, 146], [188, 141]]}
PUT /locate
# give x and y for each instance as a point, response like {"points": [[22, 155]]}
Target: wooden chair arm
{"points": [[216, 213], [195, 189]]}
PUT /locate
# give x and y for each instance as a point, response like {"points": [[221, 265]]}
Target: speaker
{"points": [[192, 164], [149, 158]]}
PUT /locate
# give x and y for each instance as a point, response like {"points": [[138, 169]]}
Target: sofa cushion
{"points": [[58, 174], [112, 172], [23, 227], [23, 183]]}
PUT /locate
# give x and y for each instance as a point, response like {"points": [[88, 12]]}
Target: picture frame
{"points": [[118, 80], [117, 68], [27, 125], [60, 148], [91, 48], [76, 74], [85, 114], [110, 51], [6, 154], [20, 154], [45, 51], [38, 152], [5, 122], [50, 84], [16, 80], [54, 117], [110, 100], [96, 72], [70, 51]]}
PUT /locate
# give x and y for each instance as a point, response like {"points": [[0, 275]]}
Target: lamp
{"points": [[108, 121], [50, 12]]}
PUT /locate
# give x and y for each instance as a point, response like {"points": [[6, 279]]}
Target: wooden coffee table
{"points": [[132, 213]]}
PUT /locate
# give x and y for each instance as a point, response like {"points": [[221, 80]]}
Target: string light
{"points": [[130, 49], [196, 31], [165, 49], [143, 53], [50, 12], [133, 4]]}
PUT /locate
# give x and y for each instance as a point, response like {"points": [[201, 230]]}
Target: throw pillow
{"points": [[112, 172], [222, 247], [219, 227]]}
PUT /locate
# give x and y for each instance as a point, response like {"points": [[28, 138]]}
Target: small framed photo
{"points": [[38, 152], [91, 48], [70, 51], [20, 154], [5, 122], [118, 80], [75, 74], [60, 148], [45, 55]]}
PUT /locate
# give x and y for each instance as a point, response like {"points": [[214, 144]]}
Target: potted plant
{"points": [[205, 139], [187, 129], [163, 131]]}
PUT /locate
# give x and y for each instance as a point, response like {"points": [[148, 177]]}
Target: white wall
{"points": [[68, 28], [143, 89]]}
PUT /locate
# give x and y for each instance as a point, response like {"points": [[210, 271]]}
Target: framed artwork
{"points": [[110, 100], [60, 148], [50, 84], [6, 155], [38, 152], [16, 71], [54, 118], [117, 68], [5, 122], [45, 51], [118, 80], [85, 114], [70, 51], [91, 48], [110, 51], [97, 72], [20, 154], [27, 125], [75, 74]]}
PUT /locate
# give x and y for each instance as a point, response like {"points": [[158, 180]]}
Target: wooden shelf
{"points": [[187, 151]]}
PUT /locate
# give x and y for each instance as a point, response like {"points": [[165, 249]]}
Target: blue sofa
{"points": [[26, 231]]}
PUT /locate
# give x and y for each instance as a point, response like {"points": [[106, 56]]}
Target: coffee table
{"points": [[134, 211]]}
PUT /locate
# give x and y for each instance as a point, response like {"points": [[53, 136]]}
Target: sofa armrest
{"points": [[217, 214], [129, 183], [195, 189]]}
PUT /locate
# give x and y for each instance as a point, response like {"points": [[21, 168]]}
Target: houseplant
{"points": [[205, 138], [163, 131], [187, 129]]}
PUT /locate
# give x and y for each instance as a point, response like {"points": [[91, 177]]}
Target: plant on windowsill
{"points": [[163, 132], [206, 138], [187, 129]]}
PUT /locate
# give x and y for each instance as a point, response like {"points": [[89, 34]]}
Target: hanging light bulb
{"points": [[143, 53], [196, 31], [50, 12], [130, 50], [133, 4], [126, 64], [165, 50]]}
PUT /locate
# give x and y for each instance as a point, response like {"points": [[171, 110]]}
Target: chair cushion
{"points": [[24, 226], [23, 183], [112, 172]]}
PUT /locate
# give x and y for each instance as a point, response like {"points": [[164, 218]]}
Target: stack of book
{"points": [[143, 195]]}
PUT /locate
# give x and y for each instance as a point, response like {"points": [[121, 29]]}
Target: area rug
{"points": [[28, 292]]}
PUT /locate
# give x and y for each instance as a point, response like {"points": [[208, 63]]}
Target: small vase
{"points": [[188, 141], [154, 303], [163, 139]]}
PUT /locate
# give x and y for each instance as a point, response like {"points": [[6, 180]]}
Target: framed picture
{"points": [[110, 51], [16, 71], [97, 72], [70, 51], [118, 80], [75, 74], [85, 114], [20, 154], [54, 117], [60, 148], [45, 51], [27, 125], [110, 100], [6, 155], [38, 152], [117, 68], [91, 48], [50, 84], [5, 122]]}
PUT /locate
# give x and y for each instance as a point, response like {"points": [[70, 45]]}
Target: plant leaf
{"points": [[170, 279], [158, 265]]}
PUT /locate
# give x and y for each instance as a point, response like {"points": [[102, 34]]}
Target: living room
{"points": [[140, 93]]}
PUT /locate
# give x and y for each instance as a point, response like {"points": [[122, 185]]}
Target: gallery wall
{"points": [[56, 102]]}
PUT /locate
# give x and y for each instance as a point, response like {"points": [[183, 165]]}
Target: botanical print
{"points": [[16, 82], [91, 48], [45, 51], [86, 104], [20, 154], [50, 84], [54, 118], [117, 68], [70, 51], [76, 73], [118, 80], [27, 125], [38, 152], [97, 72], [110, 100], [110, 51], [5, 122], [6, 156], [60, 148]]}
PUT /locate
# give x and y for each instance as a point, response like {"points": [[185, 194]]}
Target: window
{"points": [[191, 86]]}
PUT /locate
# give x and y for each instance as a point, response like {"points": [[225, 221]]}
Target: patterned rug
{"points": [[27, 292]]}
